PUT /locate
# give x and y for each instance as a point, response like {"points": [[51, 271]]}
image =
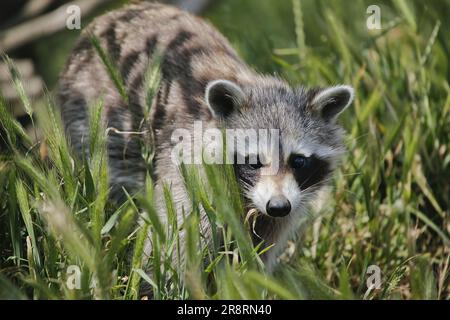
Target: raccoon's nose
{"points": [[278, 206]]}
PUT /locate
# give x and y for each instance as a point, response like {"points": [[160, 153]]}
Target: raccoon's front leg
{"points": [[182, 207]]}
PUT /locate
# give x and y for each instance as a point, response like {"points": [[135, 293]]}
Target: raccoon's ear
{"points": [[223, 97], [332, 101]]}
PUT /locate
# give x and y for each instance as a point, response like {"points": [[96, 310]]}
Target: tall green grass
{"points": [[391, 196]]}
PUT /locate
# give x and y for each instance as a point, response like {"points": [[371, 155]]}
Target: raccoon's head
{"points": [[278, 178]]}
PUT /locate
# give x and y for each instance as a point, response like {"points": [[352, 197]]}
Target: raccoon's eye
{"points": [[252, 164], [298, 161], [256, 166]]}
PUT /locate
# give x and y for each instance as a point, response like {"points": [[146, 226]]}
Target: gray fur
{"points": [[194, 55]]}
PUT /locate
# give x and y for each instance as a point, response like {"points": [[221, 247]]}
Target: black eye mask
{"points": [[308, 171], [247, 172]]}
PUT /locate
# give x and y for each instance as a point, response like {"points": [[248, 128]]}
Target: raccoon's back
{"points": [[192, 52]]}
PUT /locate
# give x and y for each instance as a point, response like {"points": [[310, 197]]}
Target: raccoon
{"points": [[202, 79]]}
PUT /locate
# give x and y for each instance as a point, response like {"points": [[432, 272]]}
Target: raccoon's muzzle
{"points": [[278, 206]]}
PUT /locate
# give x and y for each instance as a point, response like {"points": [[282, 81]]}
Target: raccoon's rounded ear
{"points": [[223, 97], [332, 101]]}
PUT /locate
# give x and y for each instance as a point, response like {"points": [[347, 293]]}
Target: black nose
{"points": [[278, 206]]}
